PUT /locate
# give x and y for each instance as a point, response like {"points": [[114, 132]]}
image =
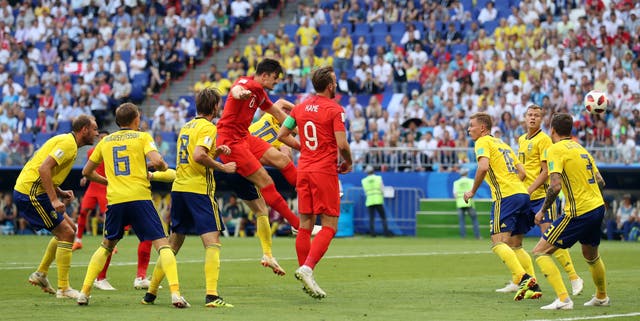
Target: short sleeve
{"points": [[338, 120], [554, 160], [96, 156], [593, 164], [149, 144], [207, 137], [543, 146], [482, 148], [64, 151]]}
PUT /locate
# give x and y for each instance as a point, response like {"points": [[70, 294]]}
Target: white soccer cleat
{"points": [[40, 279], [509, 288], [576, 286], [270, 262], [305, 275], [316, 230], [141, 283], [559, 305], [595, 302], [103, 285], [179, 301], [82, 299], [67, 293]]}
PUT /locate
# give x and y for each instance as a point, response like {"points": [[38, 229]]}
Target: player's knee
{"points": [[65, 231]]}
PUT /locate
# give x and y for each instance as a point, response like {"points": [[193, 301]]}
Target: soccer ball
{"points": [[596, 102]]}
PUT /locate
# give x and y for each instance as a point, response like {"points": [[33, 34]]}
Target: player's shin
{"points": [[275, 200], [263, 231], [96, 264], [506, 254], [303, 245], [49, 256], [551, 272], [212, 267], [599, 279], [564, 258], [144, 255], [170, 268], [63, 260], [103, 273], [319, 246], [525, 260]]}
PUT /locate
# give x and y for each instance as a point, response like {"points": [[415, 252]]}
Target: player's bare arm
{"points": [[285, 134], [555, 186], [345, 152], [89, 171], [542, 177], [45, 170], [522, 174], [156, 161], [481, 172], [600, 181], [277, 109], [240, 93], [201, 156], [65, 194]]}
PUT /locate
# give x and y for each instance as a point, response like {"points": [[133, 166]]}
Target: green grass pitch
{"points": [[365, 279]]}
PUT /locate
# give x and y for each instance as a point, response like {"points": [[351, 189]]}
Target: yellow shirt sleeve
{"points": [[96, 156], [149, 144], [64, 151], [482, 148]]}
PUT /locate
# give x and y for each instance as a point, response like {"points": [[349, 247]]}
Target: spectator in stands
{"points": [[221, 83], [4, 150], [43, 123], [626, 217], [163, 146], [241, 12], [410, 13], [343, 50], [234, 213], [346, 85], [99, 103], [355, 13], [359, 148], [19, 151], [428, 147], [121, 90], [8, 214], [306, 36], [452, 36]]}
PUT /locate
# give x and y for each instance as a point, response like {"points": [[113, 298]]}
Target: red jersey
{"points": [[96, 188], [318, 118], [238, 114]]}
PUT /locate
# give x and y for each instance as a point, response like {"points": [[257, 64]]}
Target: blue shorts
{"points": [[194, 212], [241, 186], [551, 215], [141, 215], [37, 210], [511, 214], [566, 231]]}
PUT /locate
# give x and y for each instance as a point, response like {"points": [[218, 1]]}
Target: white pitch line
{"points": [[28, 266], [608, 316]]}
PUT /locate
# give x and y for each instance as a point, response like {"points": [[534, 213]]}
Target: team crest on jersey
{"points": [[208, 141], [59, 153], [530, 147], [54, 215]]}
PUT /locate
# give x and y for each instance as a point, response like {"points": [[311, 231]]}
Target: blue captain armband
{"points": [[290, 122]]}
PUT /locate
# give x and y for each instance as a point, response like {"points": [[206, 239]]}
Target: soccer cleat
{"points": [[103, 285], [148, 298], [532, 295], [305, 275], [270, 262], [67, 293], [559, 305], [141, 283], [316, 230], [509, 288], [83, 299], [76, 246], [595, 302], [576, 286], [214, 301], [527, 283], [179, 301], [40, 279]]}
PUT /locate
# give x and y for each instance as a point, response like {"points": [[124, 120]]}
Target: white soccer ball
{"points": [[596, 102]]}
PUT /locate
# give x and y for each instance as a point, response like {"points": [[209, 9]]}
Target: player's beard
{"points": [[333, 93]]}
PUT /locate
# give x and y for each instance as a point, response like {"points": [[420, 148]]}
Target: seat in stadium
{"points": [[379, 28], [490, 26], [397, 28], [64, 126], [291, 30], [326, 30], [27, 137], [360, 29], [42, 138]]}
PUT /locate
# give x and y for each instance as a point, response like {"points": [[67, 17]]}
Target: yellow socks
{"points": [[63, 260], [212, 267], [94, 226], [525, 260], [551, 272], [96, 264], [599, 279], [49, 256], [263, 231], [169, 266], [156, 278], [506, 254], [564, 258]]}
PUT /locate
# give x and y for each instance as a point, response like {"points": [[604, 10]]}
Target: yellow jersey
{"points": [[267, 128], [578, 170], [192, 176], [502, 176], [125, 166], [531, 155], [307, 35], [63, 149]]}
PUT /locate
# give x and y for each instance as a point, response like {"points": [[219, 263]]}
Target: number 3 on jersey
{"points": [[183, 153], [310, 135], [121, 165]]}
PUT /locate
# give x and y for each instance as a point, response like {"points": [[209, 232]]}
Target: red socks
{"points": [[290, 173], [319, 246], [103, 273], [82, 222], [303, 245], [275, 200], [144, 254]]}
